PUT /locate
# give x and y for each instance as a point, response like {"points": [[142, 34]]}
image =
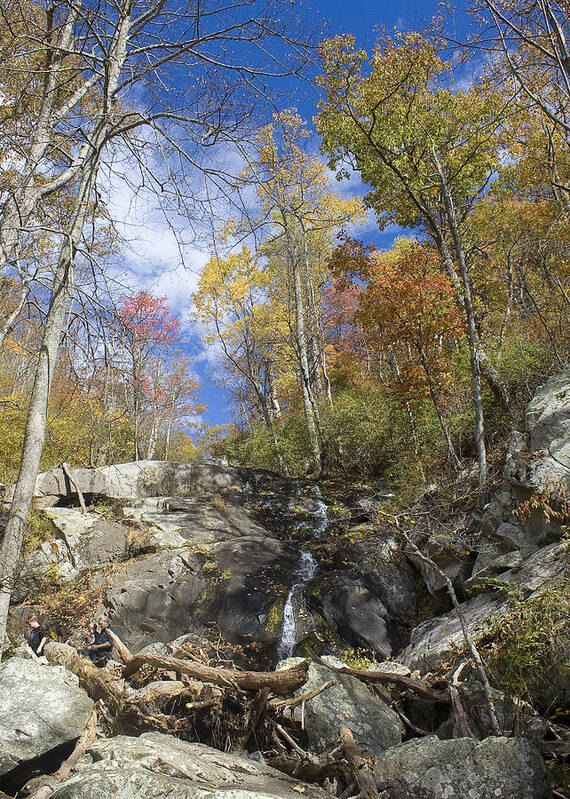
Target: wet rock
{"points": [[355, 614], [375, 726], [158, 766], [41, 708], [233, 584], [429, 768]]}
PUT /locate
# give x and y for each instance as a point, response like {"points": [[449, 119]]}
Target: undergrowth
{"points": [[527, 650]]}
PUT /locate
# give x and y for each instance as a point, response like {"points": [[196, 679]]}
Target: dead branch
{"points": [[84, 741], [360, 769], [74, 484], [280, 682], [416, 686], [297, 700], [123, 650], [407, 722], [460, 716]]}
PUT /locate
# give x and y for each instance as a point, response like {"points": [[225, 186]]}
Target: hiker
{"points": [[100, 644], [38, 637]]}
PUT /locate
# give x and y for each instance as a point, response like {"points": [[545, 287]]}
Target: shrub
{"points": [[527, 650]]}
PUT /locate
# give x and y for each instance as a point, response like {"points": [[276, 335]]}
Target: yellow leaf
{"points": [[299, 788]]}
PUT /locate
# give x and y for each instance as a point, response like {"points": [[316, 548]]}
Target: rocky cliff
{"points": [[261, 567]]}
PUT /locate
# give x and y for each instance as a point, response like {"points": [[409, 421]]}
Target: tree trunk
{"points": [[465, 297], [34, 436], [304, 364], [282, 682], [435, 400]]}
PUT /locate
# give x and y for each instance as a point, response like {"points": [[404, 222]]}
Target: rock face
{"points": [[158, 766], [53, 485], [496, 768], [234, 584], [537, 461], [375, 726], [41, 708], [369, 597], [434, 640], [547, 423]]}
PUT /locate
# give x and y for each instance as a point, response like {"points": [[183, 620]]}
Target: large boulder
{"points": [[537, 465], [369, 597], [159, 766], [41, 708], [428, 768], [375, 726], [547, 422], [234, 583], [434, 641], [202, 519], [53, 486]]}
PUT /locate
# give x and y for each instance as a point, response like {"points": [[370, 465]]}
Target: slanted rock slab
{"points": [[41, 707], [428, 768], [157, 766], [375, 726]]}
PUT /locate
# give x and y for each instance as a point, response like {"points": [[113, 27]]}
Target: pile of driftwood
{"points": [[185, 695]]}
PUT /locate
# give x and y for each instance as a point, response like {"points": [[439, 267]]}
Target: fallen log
{"points": [[416, 686], [97, 682], [47, 784], [283, 682], [359, 767]]}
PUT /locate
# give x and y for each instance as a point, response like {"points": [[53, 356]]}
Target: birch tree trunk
{"points": [[304, 362], [34, 437]]}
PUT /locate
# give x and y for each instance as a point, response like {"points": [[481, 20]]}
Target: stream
{"points": [[294, 610]]}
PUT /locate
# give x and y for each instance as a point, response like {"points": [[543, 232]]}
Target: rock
{"points": [[428, 768], [515, 719], [139, 479], [41, 708], [436, 639], [82, 541], [370, 596], [159, 766], [537, 461], [358, 616], [375, 726], [178, 521], [91, 540], [390, 667], [54, 485], [234, 584], [547, 421]]}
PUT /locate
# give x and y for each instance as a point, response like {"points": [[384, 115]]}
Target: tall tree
{"points": [[198, 74], [428, 151], [301, 216], [146, 328]]}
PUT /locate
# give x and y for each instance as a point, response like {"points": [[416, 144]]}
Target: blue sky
{"points": [[153, 256]]}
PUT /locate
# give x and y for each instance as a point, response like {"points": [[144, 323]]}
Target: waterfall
{"points": [[320, 513], [293, 606]]}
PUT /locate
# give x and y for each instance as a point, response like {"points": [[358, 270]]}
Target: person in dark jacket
{"points": [[100, 645], [38, 637]]}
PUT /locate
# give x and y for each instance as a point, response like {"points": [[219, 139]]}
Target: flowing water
{"points": [[294, 607]]}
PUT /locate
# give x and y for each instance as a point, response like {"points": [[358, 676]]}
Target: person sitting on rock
{"points": [[100, 647], [38, 637]]}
